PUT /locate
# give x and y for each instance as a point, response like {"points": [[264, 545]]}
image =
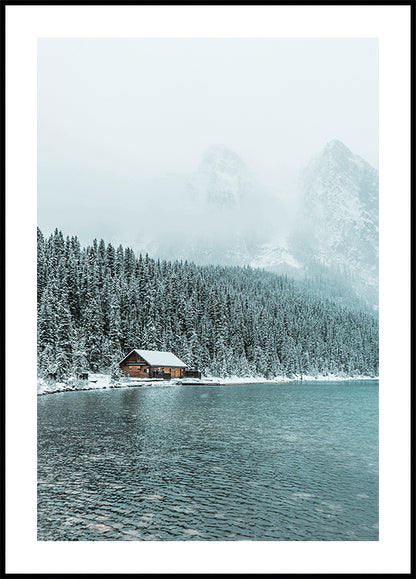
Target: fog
{"points": [[123, 127]]}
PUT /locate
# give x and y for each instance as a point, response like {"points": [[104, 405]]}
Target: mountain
{"points": [[225, 213], [337, 230], [222, 180]]}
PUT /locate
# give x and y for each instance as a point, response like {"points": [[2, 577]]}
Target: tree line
{"points": [[97, 303]]}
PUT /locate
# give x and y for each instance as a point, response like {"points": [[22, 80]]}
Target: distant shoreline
{"points": [[103, 382]]}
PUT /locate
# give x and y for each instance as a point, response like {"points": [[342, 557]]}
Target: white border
{"points": [[391, 24]]}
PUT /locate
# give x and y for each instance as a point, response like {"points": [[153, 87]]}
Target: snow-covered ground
{"points": [[95, 381], [104, 381], [284, 379]]}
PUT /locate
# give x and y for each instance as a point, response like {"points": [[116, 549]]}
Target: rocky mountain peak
{"points": [[220, 159], [337, 148], [339, 222], [223, 177]]}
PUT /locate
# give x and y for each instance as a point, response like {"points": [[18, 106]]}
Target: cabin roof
{"points": [[156, 358]]}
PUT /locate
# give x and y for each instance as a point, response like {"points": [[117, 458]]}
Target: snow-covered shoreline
{"points": [[103, 382]]}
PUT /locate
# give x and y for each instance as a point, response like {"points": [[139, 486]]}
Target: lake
{"points": [[262, 462]]}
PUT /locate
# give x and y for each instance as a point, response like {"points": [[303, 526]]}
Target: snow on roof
{"points": [[155, 358]]}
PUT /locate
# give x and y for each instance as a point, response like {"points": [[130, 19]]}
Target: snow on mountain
{"points": [[338, 222], [276, 255]]}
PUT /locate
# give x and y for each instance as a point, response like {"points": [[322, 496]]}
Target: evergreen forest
{"points": [[97, 303]]}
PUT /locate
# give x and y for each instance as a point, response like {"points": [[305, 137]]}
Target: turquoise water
{"points": [[262, 462]]}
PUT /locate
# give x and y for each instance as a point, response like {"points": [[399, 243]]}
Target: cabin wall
{"points": [[136, 370], [134, 366]]}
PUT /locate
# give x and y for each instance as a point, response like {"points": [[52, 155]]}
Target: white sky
{"points": [[112, 112]]}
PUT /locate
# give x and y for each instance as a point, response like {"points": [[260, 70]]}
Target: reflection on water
{"points": [[263, 462]]}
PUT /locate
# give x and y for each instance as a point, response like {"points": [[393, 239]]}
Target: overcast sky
{"points": [[114, 112]]}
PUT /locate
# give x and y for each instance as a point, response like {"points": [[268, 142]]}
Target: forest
{"points": [[97, 303]]}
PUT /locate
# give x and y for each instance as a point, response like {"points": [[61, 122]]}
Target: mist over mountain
{"points": [[222, 180], [221, 214], [218, 215]]}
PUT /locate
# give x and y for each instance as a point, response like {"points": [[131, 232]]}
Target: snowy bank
{"points": [[94, 382], [285, 379], [104, 381]]}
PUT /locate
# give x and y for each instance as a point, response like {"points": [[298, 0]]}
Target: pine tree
{"points": [[93, 326], [115, 334], [63, 339], [79, 353], [47, 320]]}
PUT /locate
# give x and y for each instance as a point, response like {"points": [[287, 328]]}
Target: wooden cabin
{"points": [[152, 364]]}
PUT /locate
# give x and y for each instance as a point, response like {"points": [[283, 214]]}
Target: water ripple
{"points": [[290, 462]]}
